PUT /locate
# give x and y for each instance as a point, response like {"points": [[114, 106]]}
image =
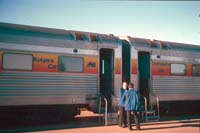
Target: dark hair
{"points": [[130, 85]]}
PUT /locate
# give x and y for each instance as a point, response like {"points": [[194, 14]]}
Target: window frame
{"points": [[71, 57], [17, 54], [175, 74]]}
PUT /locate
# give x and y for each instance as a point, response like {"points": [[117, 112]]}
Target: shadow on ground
{"points": [[81, 122]]}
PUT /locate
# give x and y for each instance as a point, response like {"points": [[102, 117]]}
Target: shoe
{"points": [[138, 128], [124, 126], [130, 129]]}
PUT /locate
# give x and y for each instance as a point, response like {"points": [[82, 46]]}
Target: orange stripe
{"points": [[134, 66], [51, 65], [189, 70], [45, 62], [117, 66], [91, 64], [160, 68]]}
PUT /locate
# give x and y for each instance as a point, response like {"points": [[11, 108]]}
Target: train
{"points": [[46, 70]]}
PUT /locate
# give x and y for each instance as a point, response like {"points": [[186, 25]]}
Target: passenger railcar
{"points": [[58, 71], [168, 70], [51, 69]]}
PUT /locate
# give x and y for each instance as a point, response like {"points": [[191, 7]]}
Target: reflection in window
{"points": [[70, 64], [108, 39], [196, 70], [17, 61], [155, 44], [82, 37], [94, 38], [178, 69], [70, 36], [165, 46]]}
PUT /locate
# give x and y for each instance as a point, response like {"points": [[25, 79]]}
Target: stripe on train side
{"points": [[91, 64], [134, 66], [45, 62], [161, 68], [189, 70], [118, 66], [1, 60]]}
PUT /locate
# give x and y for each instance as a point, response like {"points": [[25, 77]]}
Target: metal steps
{"points": [[112, 118]]}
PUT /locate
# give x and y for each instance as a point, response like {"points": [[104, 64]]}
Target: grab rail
{"points": [[151, 109], [106, 108]]}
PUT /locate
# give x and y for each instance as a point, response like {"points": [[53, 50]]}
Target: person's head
{"points": [[124, 85], [130, 85]]}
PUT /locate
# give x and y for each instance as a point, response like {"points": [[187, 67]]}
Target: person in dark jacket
{"points": [[122, 113], [132, 105]]}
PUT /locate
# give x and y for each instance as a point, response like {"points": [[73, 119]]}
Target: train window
{"points": [[155, 44], [13, 61], [70, 64], [141, 42], [82, 37], [110, 39], [70, 36], [178, 69], [94, 38], [196, 70], [165, 46]]}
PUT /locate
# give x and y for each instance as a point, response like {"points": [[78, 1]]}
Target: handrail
{"points": [[157, 105], [145, 103], [106, 107]]}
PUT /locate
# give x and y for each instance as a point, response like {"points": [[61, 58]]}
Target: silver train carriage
{"points": [[167, 70], [46, 70], [59, 71]]}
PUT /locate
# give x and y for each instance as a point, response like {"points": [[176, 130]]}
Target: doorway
{"points": [[126, 64], [106, 74], [144, 73]]}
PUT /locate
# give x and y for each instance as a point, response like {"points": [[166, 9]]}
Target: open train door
{"points": [[106, 74], [126, 55], [144, 73]]}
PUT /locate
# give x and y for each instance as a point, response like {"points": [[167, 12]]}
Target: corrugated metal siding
{"points": [[175, 85], [35, 84]]}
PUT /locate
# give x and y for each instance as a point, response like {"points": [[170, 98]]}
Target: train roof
{"points": [[18, 29], [139, 43]]}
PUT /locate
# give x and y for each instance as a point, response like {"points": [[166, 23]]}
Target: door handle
{"points": [[103, 69]]}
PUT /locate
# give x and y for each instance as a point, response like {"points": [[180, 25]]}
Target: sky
{"points": [[177, 21]]}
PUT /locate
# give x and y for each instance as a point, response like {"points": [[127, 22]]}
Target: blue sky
{"points": [[177, 21]]}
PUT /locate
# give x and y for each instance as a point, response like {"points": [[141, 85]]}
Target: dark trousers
{"points": [[122, 116], [129, 116]]}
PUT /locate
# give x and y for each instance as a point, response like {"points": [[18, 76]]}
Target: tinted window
{"points": [[195, 70], [70, 64], [94, 38], [178, 69], [155, 45], [17, 61], [82, 37]]}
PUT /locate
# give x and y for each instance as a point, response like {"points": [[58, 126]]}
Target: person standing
{"points": [[122, 113], [132, 105]]}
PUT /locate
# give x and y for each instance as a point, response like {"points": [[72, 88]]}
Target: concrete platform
{"points": [[188, 126], [165, 126]]}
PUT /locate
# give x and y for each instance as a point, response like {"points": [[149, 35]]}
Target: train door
{"points": [[126, 71], [144, 73], [106, 74]]}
